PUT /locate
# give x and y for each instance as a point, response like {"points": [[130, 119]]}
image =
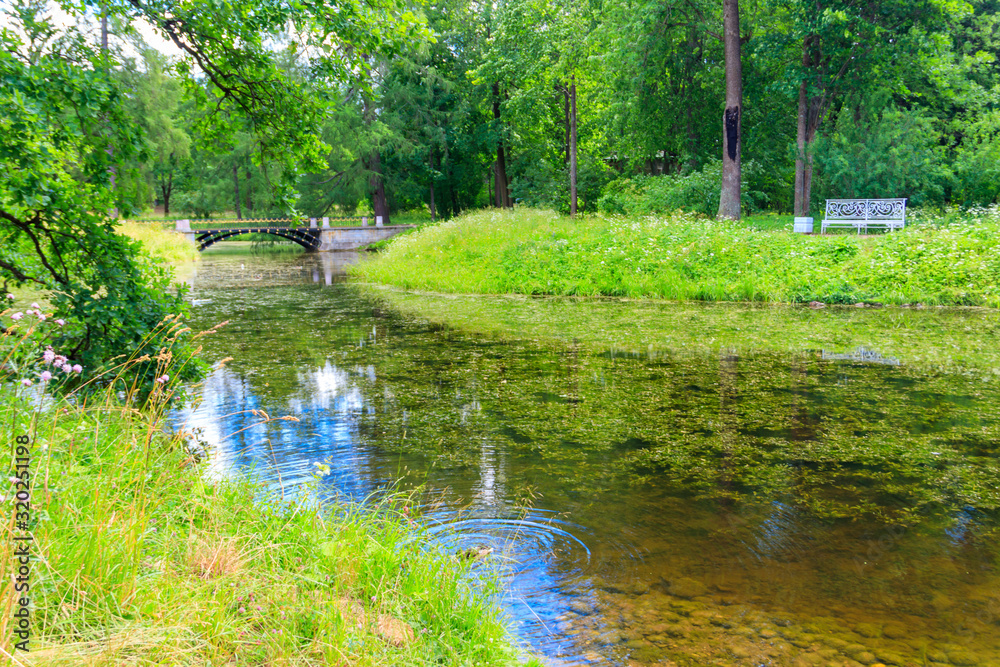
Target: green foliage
{"points": [[542, 184], [885, 153], [66, 136], [977, 166], [696, 191]]}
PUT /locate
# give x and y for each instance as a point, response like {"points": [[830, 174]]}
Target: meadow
{"points": [[939, 259]]}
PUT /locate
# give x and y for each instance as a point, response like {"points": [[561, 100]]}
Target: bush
{"points": [[696, 191], [977, 164], [545, 185], [889, 153]]}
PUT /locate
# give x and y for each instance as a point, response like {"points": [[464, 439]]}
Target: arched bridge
{"points": [[308, 234], [307, 238]]}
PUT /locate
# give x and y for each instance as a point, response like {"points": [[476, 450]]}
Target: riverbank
{"points": [[137, 558], [688, 257]]}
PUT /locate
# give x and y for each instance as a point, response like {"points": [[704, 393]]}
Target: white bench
{"points": [[861, 214]]}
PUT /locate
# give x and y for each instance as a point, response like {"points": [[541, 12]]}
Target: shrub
{"points": [[696, 191]]}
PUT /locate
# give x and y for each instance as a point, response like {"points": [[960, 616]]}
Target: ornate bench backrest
{"points": [[866, 209]]}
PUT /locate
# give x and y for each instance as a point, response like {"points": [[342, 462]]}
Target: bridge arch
{"points": [[305, 237]]}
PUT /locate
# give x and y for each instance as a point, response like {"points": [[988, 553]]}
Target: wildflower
{"points": [[77, 368], [26, 382], [162, 379], [61, 322], [41, 318], [35, 305], [16, 316], [66, 368], [60, 360], [48, 356], [46, 376], [10, 297]]}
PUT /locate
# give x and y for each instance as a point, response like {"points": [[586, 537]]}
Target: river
{"points": [[657, 483]]}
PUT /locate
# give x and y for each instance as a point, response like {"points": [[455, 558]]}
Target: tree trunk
{"points": [[565, 93], [236, 189], [380, 206], [810, 110], [376, 183], [502, 189], [166, 189], [249, 193], [104, 31], [433, 171], [691, 61], [572, 146], [729, 200]]}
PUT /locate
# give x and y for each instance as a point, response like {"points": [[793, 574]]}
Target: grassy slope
{"points": [[685, 257], [159, 242], [141, 561]]}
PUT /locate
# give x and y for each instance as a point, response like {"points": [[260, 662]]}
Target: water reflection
{"points": [[735, 507], [862, 355]]}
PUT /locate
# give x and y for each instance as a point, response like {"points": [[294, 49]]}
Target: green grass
{"points": [[139, 559], [688, 257], [160, 242]]}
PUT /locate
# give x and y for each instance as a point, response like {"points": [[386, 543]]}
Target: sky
{"points": [[91, 26]]}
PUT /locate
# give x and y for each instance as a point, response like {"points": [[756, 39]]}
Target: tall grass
{"points": [[689, 257], [139, 560]]}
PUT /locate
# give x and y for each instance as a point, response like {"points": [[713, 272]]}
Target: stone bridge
{"points": [[312, 237]]}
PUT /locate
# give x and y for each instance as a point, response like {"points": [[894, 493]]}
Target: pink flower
{"points": [[61, 322], [10, 297], [48, 356], [60, 360], [35, 305], [66, 368], [163, 379], [16, 316], [46, 376], [26, 382], [41, 318], [77, 368]]}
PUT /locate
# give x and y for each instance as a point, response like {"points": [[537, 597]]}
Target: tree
{"points": [[851, 48], [155, 105], [729, 199], [59, 112]]}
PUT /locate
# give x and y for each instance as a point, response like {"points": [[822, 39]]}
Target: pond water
{"points": [[659, 483]]}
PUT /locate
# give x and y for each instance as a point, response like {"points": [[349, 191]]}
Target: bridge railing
{"points": [[263, 223], [251, 223]]}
